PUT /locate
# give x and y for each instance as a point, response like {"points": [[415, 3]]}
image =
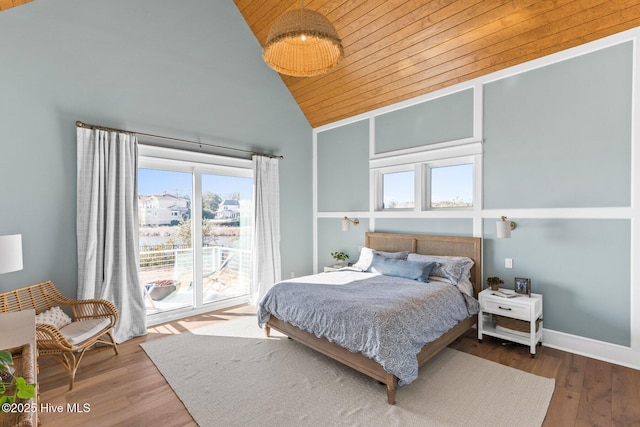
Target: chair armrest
{"points": [[94, 309], [50, 337]]}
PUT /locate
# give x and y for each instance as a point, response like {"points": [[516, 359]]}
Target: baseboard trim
{"points": [[612, 353]]}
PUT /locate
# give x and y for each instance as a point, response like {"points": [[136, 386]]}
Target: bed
{"points": [[469, 247]]}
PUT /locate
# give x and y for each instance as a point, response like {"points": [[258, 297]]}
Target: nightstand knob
{"points": [[504, 308]]}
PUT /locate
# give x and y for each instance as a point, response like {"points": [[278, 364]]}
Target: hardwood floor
{"points": [[127, 390], [588, 392]]}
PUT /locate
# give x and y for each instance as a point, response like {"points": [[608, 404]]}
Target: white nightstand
{"points": [[522, 307], [328, 268]]}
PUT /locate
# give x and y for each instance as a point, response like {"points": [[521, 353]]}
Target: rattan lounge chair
{"points": [[93, 322]]}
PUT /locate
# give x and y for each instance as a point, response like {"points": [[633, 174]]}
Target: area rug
{"points": [[228, 374]]}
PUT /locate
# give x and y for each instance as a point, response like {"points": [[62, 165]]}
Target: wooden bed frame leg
{"points": [[392, 386], [267, 331]]}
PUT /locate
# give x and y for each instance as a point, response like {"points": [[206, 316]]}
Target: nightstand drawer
{"points": [[504, 307]]}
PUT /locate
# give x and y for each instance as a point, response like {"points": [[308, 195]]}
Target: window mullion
{"points": [[426, 192], [417, 188]]}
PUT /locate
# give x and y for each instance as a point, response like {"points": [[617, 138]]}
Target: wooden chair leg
{"points": [[72, 378], [70, 360], [70, 363], [115, 346]]}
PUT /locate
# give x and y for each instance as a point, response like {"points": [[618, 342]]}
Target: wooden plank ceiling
{"points": [[399, 49], [6, 4]]}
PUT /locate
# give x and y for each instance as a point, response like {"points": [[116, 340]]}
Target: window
{"points": [[226, 235], [450, 186], [195, 231], [445, 185], [165, 256], [396, 190]]}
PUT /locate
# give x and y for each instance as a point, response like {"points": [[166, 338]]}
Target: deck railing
{"points": [[176, 263]]}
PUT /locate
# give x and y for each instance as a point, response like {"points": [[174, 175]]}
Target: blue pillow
{"points": [[413, 270]]}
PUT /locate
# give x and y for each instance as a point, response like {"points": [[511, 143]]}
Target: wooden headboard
{"points": [[470, 247]]}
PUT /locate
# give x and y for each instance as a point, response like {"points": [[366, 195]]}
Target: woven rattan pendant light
{"points": [[302, 43]]}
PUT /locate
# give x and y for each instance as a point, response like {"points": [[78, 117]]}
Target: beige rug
{"points": [[229, 375]]}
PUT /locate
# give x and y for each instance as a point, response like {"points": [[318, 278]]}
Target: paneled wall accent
{"points": [[560, 136], [399, 49], [437, 226], [557, 158], [343, 168], [580, 266], [439, 120], [331, 238]]}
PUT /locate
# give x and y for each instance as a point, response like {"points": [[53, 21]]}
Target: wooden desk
{"points": [[16, 330]]}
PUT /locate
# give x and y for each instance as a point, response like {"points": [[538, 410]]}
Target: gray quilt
{"points": [[388, 319]]}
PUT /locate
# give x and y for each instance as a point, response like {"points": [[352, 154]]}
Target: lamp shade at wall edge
{"points": [[503, 229], [10, 253]]}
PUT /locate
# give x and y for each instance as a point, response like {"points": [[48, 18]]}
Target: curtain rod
{"points": [[199, 144]]}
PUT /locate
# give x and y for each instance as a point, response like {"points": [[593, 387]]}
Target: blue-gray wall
{"points": [[439, 120], [580, 266], [560, 137], [555, 137], [190, 69], [561, 134], [343, 157]]}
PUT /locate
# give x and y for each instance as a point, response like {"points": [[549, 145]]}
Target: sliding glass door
{"points": [[195, 231], [166, 249], [226, 236]]}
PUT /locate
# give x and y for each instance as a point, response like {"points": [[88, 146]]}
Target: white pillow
{"points": [[454, 268], [54, 316], [464, 285]]}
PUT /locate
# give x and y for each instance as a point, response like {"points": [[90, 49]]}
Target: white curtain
{"points": [[107, 226], [266, 236]]}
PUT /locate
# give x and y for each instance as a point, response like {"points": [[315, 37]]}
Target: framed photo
{"points": [[523, 286]]}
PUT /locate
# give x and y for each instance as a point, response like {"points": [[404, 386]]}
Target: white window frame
{"points": [[171, 159], [379, 187], [422, 163], [426, 182]]}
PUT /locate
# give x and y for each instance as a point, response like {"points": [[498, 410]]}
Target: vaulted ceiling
{"points": [[399, 49]]}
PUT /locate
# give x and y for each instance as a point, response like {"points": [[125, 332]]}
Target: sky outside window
{"points": [[452, 186], [398, 190], [156, 182]]}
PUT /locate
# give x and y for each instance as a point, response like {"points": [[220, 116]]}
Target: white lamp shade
{"points": [[503, 229], [10, 253], [345, 225]]}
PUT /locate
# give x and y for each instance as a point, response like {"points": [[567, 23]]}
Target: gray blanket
{"points": [[388, 319]]}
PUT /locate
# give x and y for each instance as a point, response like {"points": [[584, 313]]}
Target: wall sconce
{"points": [[346, 221], [10, 253], [504, 227]]}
